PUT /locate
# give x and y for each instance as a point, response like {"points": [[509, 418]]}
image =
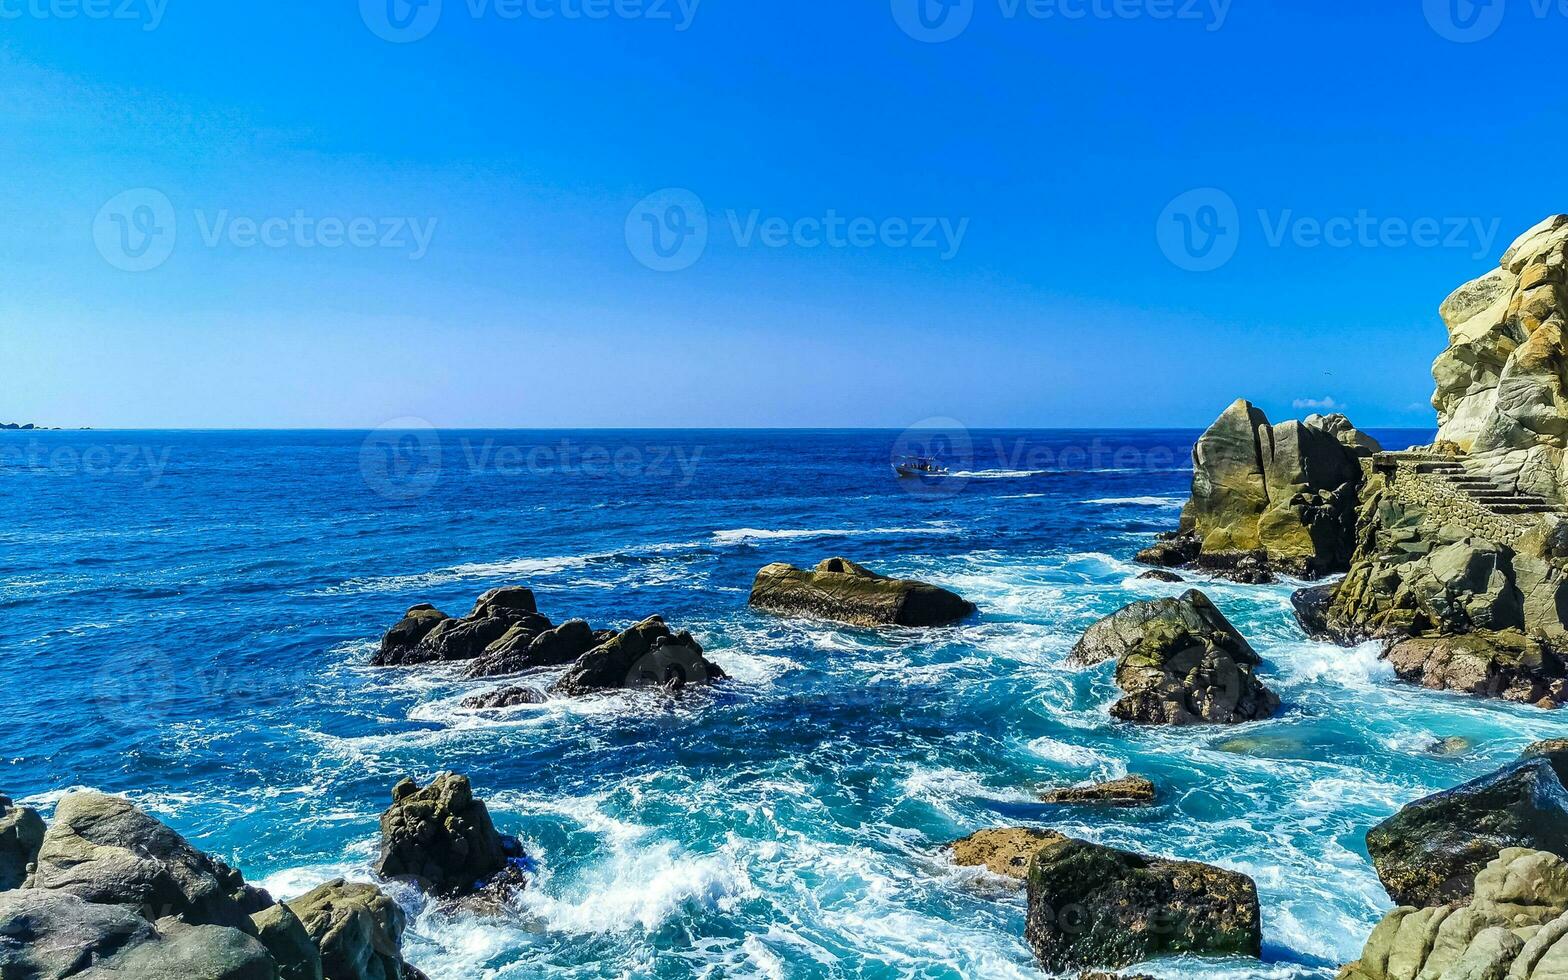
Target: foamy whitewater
{"points": [[197, 639]]}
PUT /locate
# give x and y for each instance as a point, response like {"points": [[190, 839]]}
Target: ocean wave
{"points": [[639, 887], [1138, 501], [746, 535]]}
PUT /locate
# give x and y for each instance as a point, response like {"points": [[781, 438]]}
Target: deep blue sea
{"points": [[188, 617]]}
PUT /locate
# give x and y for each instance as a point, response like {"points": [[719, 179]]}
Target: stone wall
{"points": [[1446, 504]]}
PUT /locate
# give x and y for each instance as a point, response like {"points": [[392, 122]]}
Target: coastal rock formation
{"points": [[116, 895], [1515, 928], [102, 849], [647, 655], [1005, 851], [1180, 662], [1094, 906], [844, 592], [442, 838], [1127, 791], [358, 929], [526, 647], [506, 697], [1507, 665], [1269, 498], [427, 635], [21, 834], [1431, 850]]}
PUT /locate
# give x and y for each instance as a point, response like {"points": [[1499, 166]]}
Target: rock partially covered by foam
{"points": [[442, 838], [649, 654], [844, 592]]}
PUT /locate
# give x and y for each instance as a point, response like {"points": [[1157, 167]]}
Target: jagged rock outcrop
{"points": [[649, 654], [104, 850], [1514, 928], [1180, 661], [1127, 791], [844, 592], [1094, 906], [526, 647], [442, 838], [116, 895], [1270, 498], [1507, 665], [427, 635], [1431, 850], [1004, 851], [21, 834]]}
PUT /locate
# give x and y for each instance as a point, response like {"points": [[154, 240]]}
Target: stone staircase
{"points": [[1483, 489]]}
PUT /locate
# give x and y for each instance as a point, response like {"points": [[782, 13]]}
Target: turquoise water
{"points": [[189, 615]]}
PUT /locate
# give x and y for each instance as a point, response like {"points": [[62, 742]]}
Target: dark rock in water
{"points": [[1180, 662], [440, 837], [1125, 630], [1453, 745], [1173, 550], [358, 929], [290, 946], [1507, 665], [21, 834], [506, 697], [1184, 550], [1128, 791], [1094, 906], [1160, 575], [844, 592], [1554, 751], [647, 655], [1005, 851], [525, 648], [1312, 613], [1429, 853], [427, 635], [104, 850]]}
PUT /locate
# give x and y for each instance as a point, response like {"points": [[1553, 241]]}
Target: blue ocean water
{"points": [[189, 616]]}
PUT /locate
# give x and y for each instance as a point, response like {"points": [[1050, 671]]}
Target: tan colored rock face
{"points": [[1502, 384]]}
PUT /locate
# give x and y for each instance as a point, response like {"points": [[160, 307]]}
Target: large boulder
{"points": [[525, 647], [104, 850], [358, 928], [1004, 851], [1513, 928], [1429, 852], [844, 592], [1271, 497], [649, 654], [1094, 906], [427, 635], [286, 940], [1507, 665], [1180, 662], [441, 837], [50, 935], [21, 834]]}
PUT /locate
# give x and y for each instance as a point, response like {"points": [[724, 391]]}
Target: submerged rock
{"points": [[104, 850], [844, 592], [1127, 791], [1161, 575], [1270, 498], [21, 834], [647, 655], [1431, 850], [1094, 906], [1004, 851], [441, 837], [1513, 928], [506, 697], [1180, 662]]}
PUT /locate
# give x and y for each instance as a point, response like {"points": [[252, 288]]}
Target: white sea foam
{"points": [[640, 886], [1139, 501], [746, 535]]}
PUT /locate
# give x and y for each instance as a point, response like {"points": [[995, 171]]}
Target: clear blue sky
{"points": [[529, 135]]}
